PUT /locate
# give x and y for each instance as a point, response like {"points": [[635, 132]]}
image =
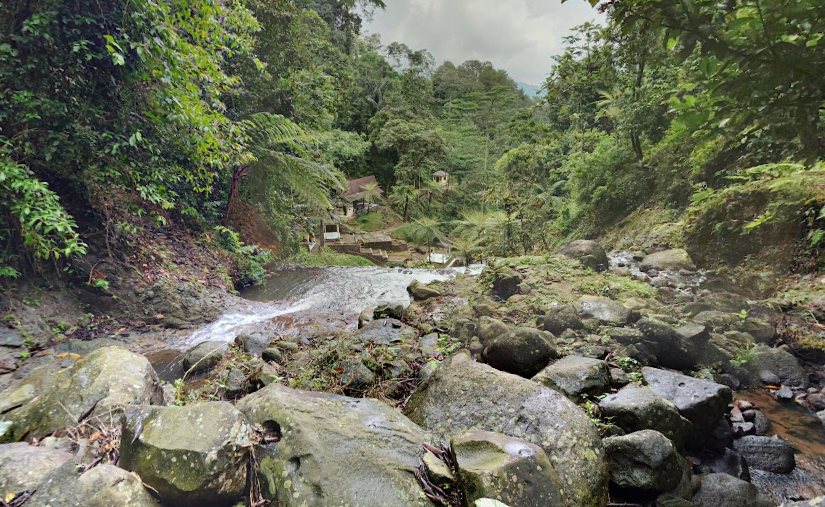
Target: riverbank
{"points": [[596, 337]]}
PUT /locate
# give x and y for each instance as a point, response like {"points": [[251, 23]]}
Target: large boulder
{"points": [[205, 356], [524, 351], [464, 395], [766, 453], [24, 467], [506, 283], [673, 260], [490, 329], [102, 382], [420, 292], [636, 408], [334, 450], [670, 346], [589, 253], [605, 310], [814, 502], [509, 469], [386, 331], [701, 402], [645, 460], [102, 486], [191, 455], [723, 490], [575, 376], [560, 318], [763, 362]]}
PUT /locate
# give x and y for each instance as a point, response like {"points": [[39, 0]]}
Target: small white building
{"points": [[441, 178], [332, 233]]}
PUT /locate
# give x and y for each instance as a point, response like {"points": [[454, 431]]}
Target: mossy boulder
{"points": [[335, 451], [723, 490], [205, 356], [606, 310], [523, 351], [464, 395], [672, 260], [589, 253], [102, 486], [645, 460], [778, 363], [420, 292], [508, 469], [196, 455], [24, 467], [102, 382], [636, 408], [575, 376]]}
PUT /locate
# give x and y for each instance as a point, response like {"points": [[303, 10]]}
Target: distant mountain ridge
{"points": [[528, 89]]}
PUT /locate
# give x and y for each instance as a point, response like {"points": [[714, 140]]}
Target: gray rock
{"points": [[523, 352], [253, 343], [575, 376], [25, 468], [730, 462], [191, 455], [205, 356], [490, 329], [272, 354], [10, 337], [589, 253], [699, 401], [356, 375], [561, 318], [644, 460], [761, 423], [761, 331], [464, 395], [765, 453], [694, 334], [506, 283], [365, 317], [463, 330], [429, 345], [428, 369], [624, 335], [102, 382], [605, 310], [669, 500], [814, 502], [389, 311], [335, 451], [420, 292], [762, 361], [386, 332], [672, 260], [669, 346], [716, 320], [619, 378], [102, 486], [509, 469], [475, 347], [723, 490], [638, 408]]}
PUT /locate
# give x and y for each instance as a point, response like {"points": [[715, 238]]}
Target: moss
{"points": [[370, 222], [328, 257]]}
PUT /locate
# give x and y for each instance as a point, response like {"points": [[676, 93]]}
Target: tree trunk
{"points": [[234, 191]]}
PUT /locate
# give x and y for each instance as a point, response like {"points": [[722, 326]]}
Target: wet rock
{"points": [[575, 376], [102, 486], [672, 260], [729, 462], [191, 455], [722, 490], [644, 460], [272, 355], [386, 332], [505, 283], [516, 472], [764, 453], [437, 470], [335, 450], [815, 502], [253, 343], [761, 423], [205, 356], [639, 408], [490, 329], [699, 401], [561, 318], [102, 382], [589, 253], [389, 311], [464, 395], [605, 310], [420, 292], [784, 394], [523, 352], [763, 363], [25, 468]]}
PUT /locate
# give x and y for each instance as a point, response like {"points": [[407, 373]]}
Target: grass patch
{"points": [[328, 257], [371, 222]]}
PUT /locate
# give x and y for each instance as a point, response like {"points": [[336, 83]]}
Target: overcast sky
{"points": [[520, 36]]}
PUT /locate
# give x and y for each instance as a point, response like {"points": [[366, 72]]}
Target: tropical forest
{"points": [[280, 253]]}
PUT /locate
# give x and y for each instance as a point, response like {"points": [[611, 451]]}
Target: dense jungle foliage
{"points": [[210, 114]]}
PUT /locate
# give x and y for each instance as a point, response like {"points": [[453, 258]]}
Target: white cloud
{"points": [[520, 36]]}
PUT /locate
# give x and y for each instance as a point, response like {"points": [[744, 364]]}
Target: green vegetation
{"points": [[371, 222], [328, 257]]}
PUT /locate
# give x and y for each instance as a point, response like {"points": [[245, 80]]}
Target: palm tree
{"points": [[467, 248], [277, 150], [480, 226], [371, 192], [424, 231]]}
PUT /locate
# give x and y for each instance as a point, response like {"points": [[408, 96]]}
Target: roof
{"points": [[356, 192], [440, 173]]}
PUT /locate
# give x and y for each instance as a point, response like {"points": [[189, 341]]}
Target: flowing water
{"points": [[306, 301]]}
